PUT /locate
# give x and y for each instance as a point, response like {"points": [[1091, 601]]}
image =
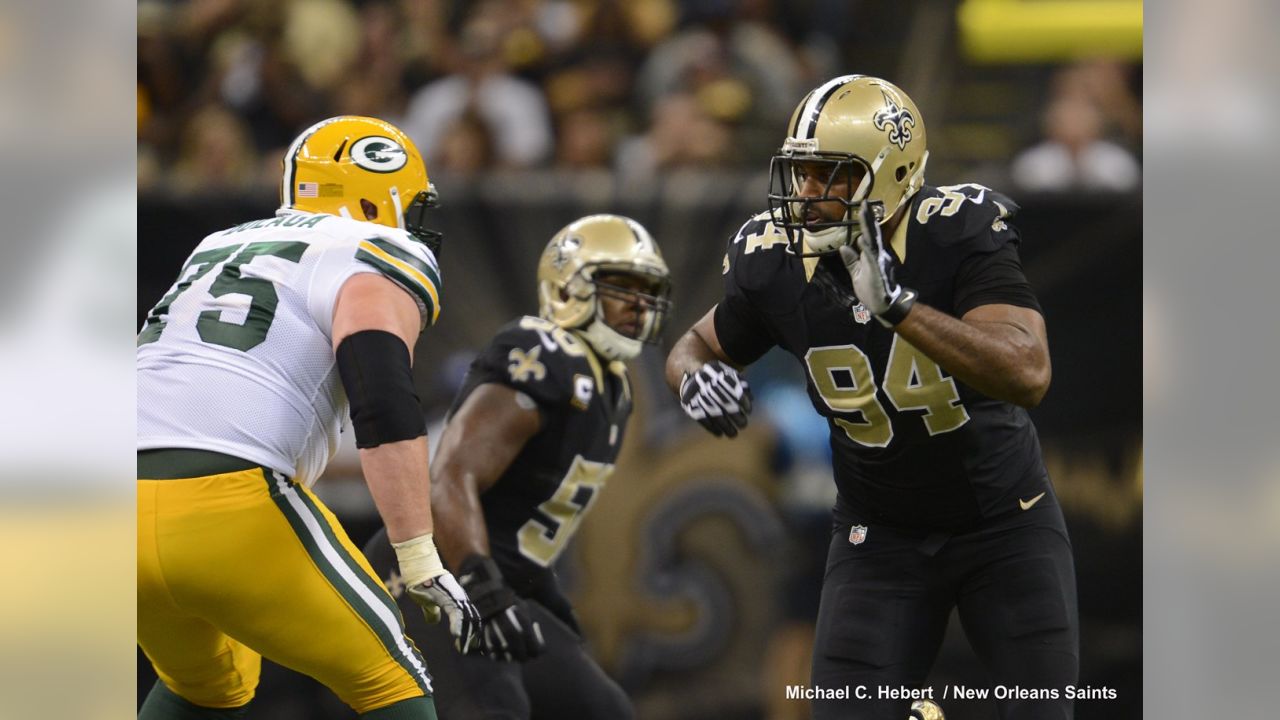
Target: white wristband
{"points": [[418, 559]]}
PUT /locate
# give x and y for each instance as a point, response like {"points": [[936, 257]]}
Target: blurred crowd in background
{"points": [[634, 88]]}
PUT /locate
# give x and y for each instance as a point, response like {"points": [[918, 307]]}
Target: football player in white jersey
{"points": [[246, 370]]}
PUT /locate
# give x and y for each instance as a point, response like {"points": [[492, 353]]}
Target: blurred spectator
{"points": [[1105, 83], [601, 79], [465, 146], [322, 40], [1073, 155], [721, 46], [585, 141], [217, 155], [375, 89], [682, 135], [513, 110]]}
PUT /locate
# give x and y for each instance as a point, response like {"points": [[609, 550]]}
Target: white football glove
{"points": [[718, 397], [435, 589], [872, 268]]}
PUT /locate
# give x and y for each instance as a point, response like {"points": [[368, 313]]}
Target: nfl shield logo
{"points": [[861, 314], [857, 534]]}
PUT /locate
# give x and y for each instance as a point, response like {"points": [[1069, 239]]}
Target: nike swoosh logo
{"points": [[1026, 504], [978, 201]]}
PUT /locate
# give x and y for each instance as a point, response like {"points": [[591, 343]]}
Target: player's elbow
{"points": [[1031, 384]]}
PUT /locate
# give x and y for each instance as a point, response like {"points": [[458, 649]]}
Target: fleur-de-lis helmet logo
{"points": [[897, 120], [565, 250]]}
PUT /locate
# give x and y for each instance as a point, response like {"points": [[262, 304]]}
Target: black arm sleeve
{"points": [[378, 376], [992, 278]]}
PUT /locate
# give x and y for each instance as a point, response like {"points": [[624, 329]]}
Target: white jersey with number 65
{"points": [[237, 357]]}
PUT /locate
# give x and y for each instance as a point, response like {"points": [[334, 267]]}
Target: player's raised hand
{"points": [[509, 633], [717, 397], [872, 267]]}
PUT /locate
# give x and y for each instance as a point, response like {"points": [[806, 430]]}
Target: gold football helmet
{"points": [[570, 284], [926, 710], [360, 168], [870, 134]]}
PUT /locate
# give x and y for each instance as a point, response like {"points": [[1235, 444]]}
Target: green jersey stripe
{"points": [[429, 269], [369, 599], [398, 272]]}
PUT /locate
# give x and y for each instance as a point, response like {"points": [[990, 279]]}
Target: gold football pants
{"points": [[240, 565]]}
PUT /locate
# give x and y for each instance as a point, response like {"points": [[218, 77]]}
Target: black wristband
{"points": [[897, 312], [480, 577]]}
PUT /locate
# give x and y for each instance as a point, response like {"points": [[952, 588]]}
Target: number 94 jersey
{"points": [[912, 446], [237, 357], [535, 506]]}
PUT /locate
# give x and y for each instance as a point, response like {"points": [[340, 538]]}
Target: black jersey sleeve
{"points": [[533, 357], [742, 329], [993, 278], [967, 219], [971, 223]]}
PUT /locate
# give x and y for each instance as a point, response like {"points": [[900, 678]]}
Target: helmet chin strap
{"points": [[610, 343], [826, 240]]}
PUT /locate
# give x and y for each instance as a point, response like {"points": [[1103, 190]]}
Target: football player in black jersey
{"points": [[923, 345], [529, 442]]}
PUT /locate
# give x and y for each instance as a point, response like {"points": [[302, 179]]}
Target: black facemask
{"points": [[415, 215]]}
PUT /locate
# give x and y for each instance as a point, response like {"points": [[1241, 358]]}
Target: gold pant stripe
{"points": [[369, 600]]}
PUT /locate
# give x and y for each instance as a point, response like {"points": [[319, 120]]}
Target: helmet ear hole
{"points": [[370, 210], [901, 172]]}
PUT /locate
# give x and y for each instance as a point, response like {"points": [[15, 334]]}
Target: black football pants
{"points": [[886, 603], [563, 682]]}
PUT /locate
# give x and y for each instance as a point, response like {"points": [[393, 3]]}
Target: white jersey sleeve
{"points": [[237, 357], [390, 253]]}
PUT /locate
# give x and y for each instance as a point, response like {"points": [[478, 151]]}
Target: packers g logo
{"points": [[379, 154], [897, 120]]}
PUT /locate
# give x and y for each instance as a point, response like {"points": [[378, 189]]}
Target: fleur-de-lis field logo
{"points": [[898, 121]]}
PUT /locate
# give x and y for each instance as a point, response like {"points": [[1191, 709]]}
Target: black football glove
{"points": [[718, 397], [508, 633], [872, 268]]}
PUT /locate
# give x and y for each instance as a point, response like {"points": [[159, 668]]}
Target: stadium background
{"points": [[696, 575]]}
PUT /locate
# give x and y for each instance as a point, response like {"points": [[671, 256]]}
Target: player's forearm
{"points": [[693, 350], [999, 360], [398, 481], [460, 527], [689, 353]]}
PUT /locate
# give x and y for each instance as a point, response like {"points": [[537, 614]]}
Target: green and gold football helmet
{"points": [[570, 285], [870, 134], [360, 168]]}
